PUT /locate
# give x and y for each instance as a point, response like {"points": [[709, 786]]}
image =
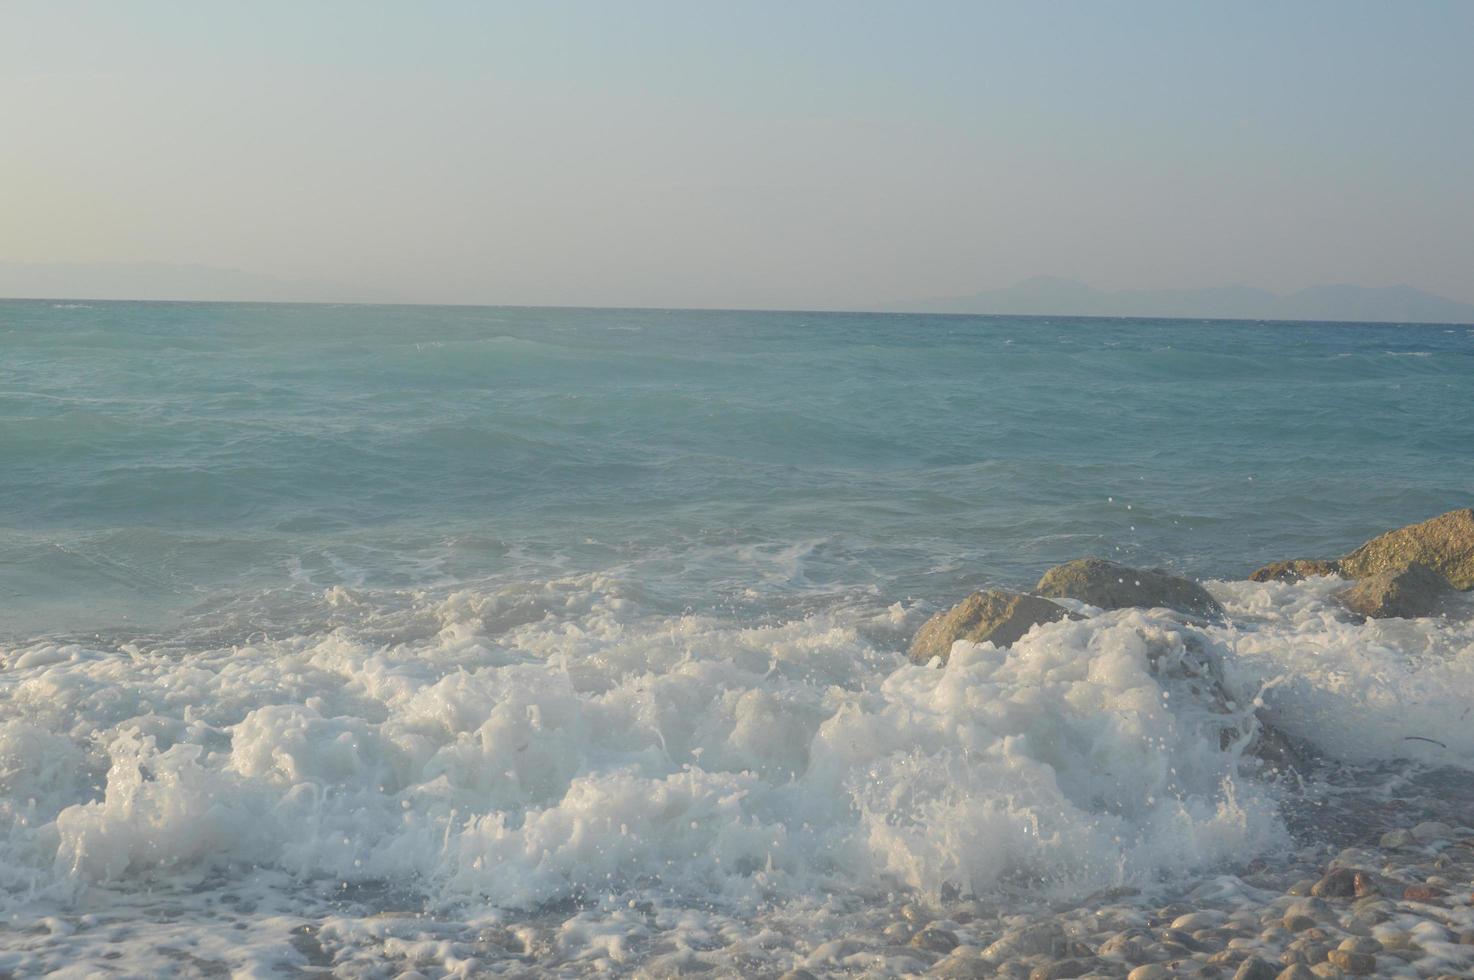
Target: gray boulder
{"points": [[994, 616], [1112, 586], [1408, 593]]}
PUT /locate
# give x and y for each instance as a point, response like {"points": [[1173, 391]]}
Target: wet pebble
{"points": [[1357, 964], [935, 939], [1254, 968]]}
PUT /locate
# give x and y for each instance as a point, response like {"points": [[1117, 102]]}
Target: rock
{"points": [[1444, 544], [1151, 971], [1431, 830], [1364, 885], [1423, 893], [1041, 939], [798, 975], [1405, 593], [935, 940], [1298, 922], [962, 966], [1294, 570], [1398, 838], [1357, 964], [1111, 586], [995, 616], [1198, 920], [1340, 883], [1062, 969], [1297, 971], [1361, 944], [1254, 968]]}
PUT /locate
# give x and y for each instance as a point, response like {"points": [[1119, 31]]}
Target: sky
{"points": [[833, 155]]}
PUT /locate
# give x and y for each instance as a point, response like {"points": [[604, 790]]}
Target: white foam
{"points": [[519, 746]]}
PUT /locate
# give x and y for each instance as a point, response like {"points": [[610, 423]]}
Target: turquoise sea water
{"points": [[572, 642], [159, 456]]}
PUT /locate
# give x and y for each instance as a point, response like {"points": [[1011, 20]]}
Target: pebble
{"points": [[1431, 830], [1254, 968], [1398, 838], [1338, 883], [936, 940], [1423, 893], [1360, 944], [897, 932], [1357, 964], [1297, 971], [1193, 921], [1151, 971], [1063, 969], [1298, 922]]}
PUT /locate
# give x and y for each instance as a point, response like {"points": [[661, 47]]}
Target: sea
{"points": [[426, 641]]}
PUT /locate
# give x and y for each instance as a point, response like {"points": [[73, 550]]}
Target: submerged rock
{"points": [[1444, 544], [1408, 593], [1294, 570], [1112, 586], [996, 616]]}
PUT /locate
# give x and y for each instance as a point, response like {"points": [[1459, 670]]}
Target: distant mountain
{"points": [[167, 281], [1047, 296]]}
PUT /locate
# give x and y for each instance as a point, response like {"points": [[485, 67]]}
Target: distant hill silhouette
{"points": [[1048, 296]]}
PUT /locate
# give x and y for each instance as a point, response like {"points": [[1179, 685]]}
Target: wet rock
{"points": [[996, 616], [1313, 907], [1398, 838], [963, 963], [1125, 946], [1293, 570], [1357, 964], [1296, 971], [1431, 830], [1193, 921], [935, 939], [1298, 922], [1365, 885], [1405, 593], [1254, 968], [1423, 893], [1151, 971], [1042, 939], [798, 975], [1063, 969], [897, 932], [1444, 544], [1360, 944], [1301, 887], [1339, 883], [1111, 586]]}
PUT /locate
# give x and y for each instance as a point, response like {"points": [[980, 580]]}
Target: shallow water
{"points": [[353, 636]]}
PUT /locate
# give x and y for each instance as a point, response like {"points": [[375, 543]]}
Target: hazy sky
{"points": [[744, 154]]}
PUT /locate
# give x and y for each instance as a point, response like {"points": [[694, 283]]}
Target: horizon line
{"points": [[729, 309]]}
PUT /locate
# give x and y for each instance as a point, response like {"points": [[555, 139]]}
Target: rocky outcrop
{"points": [[1294, 570], [1111, 586], [1444, 544], [1409, 593], [995, 616]]}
